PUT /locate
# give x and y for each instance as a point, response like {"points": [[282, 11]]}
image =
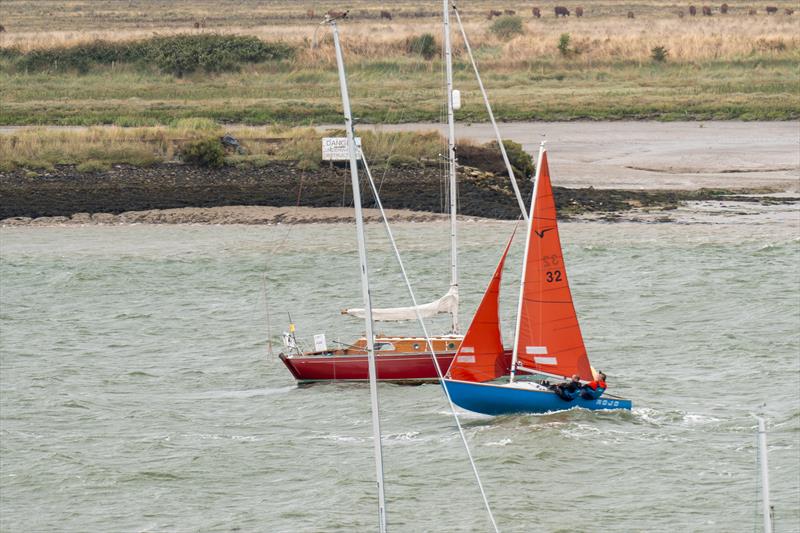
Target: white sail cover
{"points": [[446, 304]]}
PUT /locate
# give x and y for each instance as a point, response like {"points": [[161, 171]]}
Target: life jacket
{"points": [[593, 390], [595, 384]]}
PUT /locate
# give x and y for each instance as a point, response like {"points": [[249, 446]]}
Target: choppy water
{"points": [[138, 395]]}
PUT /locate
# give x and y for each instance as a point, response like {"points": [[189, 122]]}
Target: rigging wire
{"points": [[265, 276], [499, 140], [428, 341]]}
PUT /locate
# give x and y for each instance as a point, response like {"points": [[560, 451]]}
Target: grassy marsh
{"points": [[732, 66]]}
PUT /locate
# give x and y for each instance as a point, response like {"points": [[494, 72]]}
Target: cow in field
{"points": [[561, 11], [386, 15], [336, 14], [752, 12], [2, 29], [493, 13], [692, 11], [631, 15], [579, 11], [788, 11], [723, 9], [310, 14], [771, 10], [536, 12], [706, 11]]}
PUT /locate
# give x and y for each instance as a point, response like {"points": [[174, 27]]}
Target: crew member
{"points": [[568, 390], [594, 389]]}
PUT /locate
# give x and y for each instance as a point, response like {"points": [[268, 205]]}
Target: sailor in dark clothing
{"points": [[568, 390]]}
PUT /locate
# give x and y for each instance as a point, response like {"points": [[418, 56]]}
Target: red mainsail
{"points": [[480, 356], [550, 338]]}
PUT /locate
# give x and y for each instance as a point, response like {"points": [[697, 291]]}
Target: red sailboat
{"points": [[399, 358]]}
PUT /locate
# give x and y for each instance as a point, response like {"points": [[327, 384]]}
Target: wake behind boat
{"points": [[548, 338]]}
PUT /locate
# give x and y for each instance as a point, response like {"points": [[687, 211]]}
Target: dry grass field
{"points": [[725, 66]]}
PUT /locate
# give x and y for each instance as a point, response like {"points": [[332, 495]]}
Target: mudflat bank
{"points": [[284, 193]]}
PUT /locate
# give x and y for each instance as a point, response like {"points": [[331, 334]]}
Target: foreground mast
{"points": [[362, 255]]}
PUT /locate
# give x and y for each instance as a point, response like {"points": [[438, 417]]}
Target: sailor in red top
{"points": [[594, 389]]}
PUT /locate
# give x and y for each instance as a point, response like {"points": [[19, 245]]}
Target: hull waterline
{"points": [[505, 399]]}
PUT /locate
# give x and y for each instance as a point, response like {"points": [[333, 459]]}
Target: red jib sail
{"points": [[480, 356], [550, 338]]}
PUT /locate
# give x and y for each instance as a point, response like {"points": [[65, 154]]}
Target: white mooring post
{"points": [[766, 508]]}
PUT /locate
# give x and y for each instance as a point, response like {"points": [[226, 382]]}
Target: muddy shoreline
{"points": [[174, 193]]}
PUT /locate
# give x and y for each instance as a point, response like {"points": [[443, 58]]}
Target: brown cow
{"points": [[631, 15], [752, 12], [788, 11], [386, 15], [706, 11], [536, 12], [771, 10], [692, 10], [336, 14], [2, 29], [561, 11], [579, 11], [493, 13], [310, 14], [723, 9]]}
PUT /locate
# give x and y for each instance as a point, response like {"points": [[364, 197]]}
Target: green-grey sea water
{"points": [[137, 391]]}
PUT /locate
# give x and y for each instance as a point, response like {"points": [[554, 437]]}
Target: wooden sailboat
{"points": [[403, 358], [548, 338]]}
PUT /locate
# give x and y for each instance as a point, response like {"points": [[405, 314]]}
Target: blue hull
{"points": [[494, 399]]}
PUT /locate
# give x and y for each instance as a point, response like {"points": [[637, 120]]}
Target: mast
{"points": [[362, 255], [451, 157], [515, 347]]}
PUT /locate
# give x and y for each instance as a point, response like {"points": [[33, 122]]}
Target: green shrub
{"points": [[507, 26], [93, 165], [563, 44], [519, 159], [9, 52], [175, 54], [659, 54], [206, 152], [402, 160], [424, 45]]}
